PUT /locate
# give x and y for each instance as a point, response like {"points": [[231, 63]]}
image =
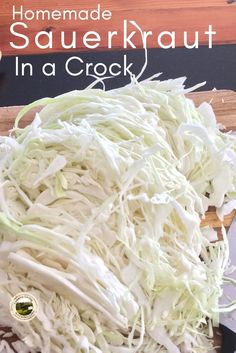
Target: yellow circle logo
{"points": [[24, 306]]}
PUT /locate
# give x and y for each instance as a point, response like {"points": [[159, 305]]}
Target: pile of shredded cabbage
{"points": [[101, 199]]}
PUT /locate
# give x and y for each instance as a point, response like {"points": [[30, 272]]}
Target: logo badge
{"points": [[23, 306]]}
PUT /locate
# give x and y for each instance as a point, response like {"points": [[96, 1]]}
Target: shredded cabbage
{"points": [[101, 199]]}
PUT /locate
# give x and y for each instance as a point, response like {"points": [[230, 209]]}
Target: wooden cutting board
{"points": [[224, 105], [222, 101]]}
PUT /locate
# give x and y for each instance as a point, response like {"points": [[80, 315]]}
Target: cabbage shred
{"points": [[101, 200]]}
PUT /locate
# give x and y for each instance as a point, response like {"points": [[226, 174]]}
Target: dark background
{"points": [[217, 66]]}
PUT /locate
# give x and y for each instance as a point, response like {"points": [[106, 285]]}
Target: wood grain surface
{"points": [[222, 101], [152, 15], [212, 219]]}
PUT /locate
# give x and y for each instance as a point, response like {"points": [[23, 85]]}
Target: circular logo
{"points": [[23, 306]]}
